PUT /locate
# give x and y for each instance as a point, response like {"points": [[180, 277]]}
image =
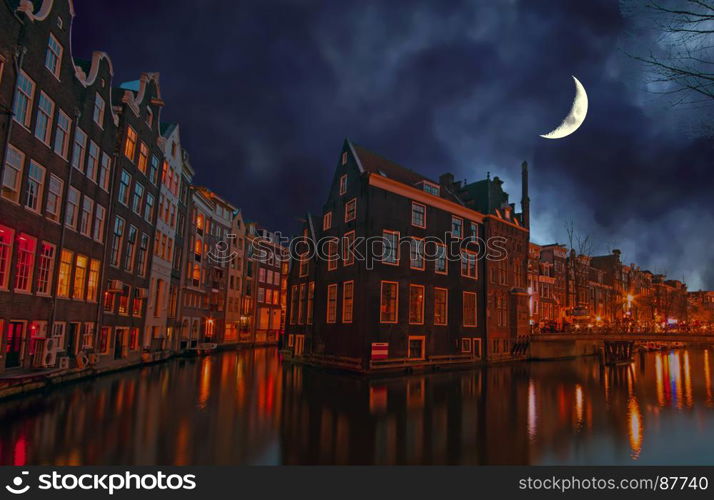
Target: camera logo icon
{"points": [[17, 488]]}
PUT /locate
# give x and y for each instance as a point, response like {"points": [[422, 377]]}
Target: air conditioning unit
{"points": [[64, 362], [93, 358], [49, 353]]}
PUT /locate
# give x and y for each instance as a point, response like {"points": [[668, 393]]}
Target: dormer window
{"points": [[430, 187]]}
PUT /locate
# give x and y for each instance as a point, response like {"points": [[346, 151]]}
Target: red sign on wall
{"points": [[380, 350]]}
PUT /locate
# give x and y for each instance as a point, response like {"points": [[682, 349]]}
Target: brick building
{"points": [[132, 219], [422, 295], [58, 137]]}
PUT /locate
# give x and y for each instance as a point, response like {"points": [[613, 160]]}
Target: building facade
{"points": [[396, 279], [58, 136]]}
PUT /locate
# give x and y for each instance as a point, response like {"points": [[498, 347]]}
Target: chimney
{"points": [[525, 200], [446, 180]]}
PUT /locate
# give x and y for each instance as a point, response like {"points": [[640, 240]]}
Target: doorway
{"points": [[13, 344]]}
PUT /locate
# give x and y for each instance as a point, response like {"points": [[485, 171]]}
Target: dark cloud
{"points": [[265, 91]]}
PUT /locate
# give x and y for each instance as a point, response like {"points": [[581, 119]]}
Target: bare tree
{"points": [[580, 242], [681, 61]]}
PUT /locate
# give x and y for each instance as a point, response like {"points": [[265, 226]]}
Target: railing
{"points": [[393, 363], [337, 361]]}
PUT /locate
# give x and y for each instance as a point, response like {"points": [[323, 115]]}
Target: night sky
{"points": [[266, 91]]}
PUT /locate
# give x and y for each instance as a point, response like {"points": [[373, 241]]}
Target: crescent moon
{"points": [[575, 118]]}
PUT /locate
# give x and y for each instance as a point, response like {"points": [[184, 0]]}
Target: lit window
{"points": [[45, 112], [469, 308], [6, 240], [23, 99], [388, 307], [327, 221], [99, 106], [441, 306], [53, 56], [64, 124], [35, 185], [143, 157], [344, 158], [65, 273], [418, 215], [347, 301], [331, 303], [416, 304], [343, 184], [25, 262], [12, 174], [80, 277], [130, 143]]}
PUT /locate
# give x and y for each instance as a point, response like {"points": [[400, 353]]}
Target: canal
{"points": [[246, 407]]}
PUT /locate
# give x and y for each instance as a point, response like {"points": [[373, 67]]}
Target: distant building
{"points": [[265, 287], [234, 290], [204, 296]]}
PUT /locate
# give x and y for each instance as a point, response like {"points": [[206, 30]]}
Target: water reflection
{"points": [[246, 408]]}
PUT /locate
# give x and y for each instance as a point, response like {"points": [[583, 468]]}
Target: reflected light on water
{"points": [[675, 379], [205, 382], [688, 402], [635, 427], [532, 411], [579, 405], [659, 379], [707, 378], [246, 407]]}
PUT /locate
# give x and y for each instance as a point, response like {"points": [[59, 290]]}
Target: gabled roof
{"points": [[167, 128], [378, 165]]}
